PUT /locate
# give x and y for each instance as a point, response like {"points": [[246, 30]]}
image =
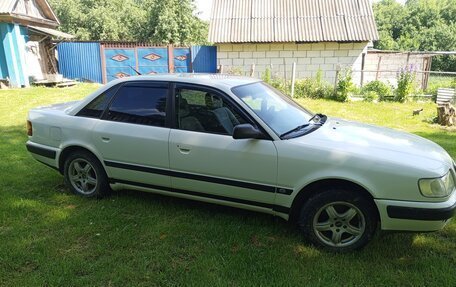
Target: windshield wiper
{"points": [[294, 130], [316, 116]]}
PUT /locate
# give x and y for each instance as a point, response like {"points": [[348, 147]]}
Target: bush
{"points": [[382, 90], [436, 82], [278, 83], [266, 76], [281, 85], [370, 96], [405, 85], [344, 86], [312, 89]]}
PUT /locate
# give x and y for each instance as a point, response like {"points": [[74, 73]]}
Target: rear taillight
{"points": [[29, 128]]}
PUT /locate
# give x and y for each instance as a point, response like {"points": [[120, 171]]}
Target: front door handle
{"points": [[105, 139], [183, 150]]}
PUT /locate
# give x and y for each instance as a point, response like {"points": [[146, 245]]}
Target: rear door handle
{"points": [[105, 139], [183, 150]]}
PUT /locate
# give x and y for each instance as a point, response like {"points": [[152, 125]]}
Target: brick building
{"points": [[315, 34]]}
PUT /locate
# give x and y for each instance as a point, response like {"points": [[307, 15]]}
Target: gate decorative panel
{"points": [[120, 63], [181, 60], [152, 60]]}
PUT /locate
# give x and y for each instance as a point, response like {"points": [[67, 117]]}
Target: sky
{"points": [[205, 6]]}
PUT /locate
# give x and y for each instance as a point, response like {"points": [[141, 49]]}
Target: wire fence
{"points": [[426, 83]]}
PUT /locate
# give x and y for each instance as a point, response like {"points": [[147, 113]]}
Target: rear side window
{"points": [[96, 107], [139, 104]]}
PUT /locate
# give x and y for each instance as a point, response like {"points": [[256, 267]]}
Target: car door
{"points": [[207, 162], [132, 135]]}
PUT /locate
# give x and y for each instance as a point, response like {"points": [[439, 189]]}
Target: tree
{"points": [[419, 25], [154, 21], [173, 21]]}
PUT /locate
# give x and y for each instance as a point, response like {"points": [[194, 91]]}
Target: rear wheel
{"points": [[84, 175], [338, 220]]}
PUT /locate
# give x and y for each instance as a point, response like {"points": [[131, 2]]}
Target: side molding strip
{"points": [[231, 182], [278, 208]]}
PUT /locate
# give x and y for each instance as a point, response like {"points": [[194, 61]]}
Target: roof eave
{"points": [[27, 20]]}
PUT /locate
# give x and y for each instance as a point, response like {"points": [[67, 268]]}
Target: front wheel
{"points": [[338, 220], [84, 175]]}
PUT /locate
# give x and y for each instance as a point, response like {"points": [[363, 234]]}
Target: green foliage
{"points": [[436, 82], [266, 76], [154, 21], [344, 86], [382, 90], [406, 85], [281, 85], [371, 96], [277, 82], [423, 25], [313, 88], [172, 21]]}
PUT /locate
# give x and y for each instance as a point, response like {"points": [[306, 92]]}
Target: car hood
{"points": [[379, 144]]}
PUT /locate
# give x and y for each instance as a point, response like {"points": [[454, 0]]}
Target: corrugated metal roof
{"points": [[39, 9], [243, 21], [6, 6]]}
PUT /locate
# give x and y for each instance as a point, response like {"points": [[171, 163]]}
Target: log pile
{"points": [[446, 114]]}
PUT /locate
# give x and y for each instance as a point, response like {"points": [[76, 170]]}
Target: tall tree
{"points": [[174, 21], [419, 25], [155, 21]]}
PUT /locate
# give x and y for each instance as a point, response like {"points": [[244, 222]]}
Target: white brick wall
{"points": [[279, 57]]}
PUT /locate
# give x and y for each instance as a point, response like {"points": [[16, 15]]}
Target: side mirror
{"points": [[247, 131]]}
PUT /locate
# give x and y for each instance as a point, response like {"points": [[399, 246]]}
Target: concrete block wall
{"points": [[389, 64], [309, 58]]}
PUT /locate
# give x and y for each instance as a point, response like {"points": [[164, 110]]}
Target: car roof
{"points": [[215, 80]]}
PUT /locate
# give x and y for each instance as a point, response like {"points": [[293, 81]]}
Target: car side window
{"points": [[96, 107], [139, 104], [204, 111]]}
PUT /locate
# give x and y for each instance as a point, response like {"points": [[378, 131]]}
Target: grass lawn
{"points": [[50, 237]]}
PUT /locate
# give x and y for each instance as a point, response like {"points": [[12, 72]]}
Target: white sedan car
{"points": [[236, 141]]}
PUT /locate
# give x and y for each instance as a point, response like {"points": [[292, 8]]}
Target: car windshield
{"points": [[278, 111]]}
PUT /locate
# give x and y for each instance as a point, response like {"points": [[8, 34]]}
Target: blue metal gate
{"points": [[152, 60], [119, 63], [104, 62], [80, 61], [204, 59]]}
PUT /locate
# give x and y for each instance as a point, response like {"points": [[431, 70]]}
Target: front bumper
{"points": [[416, 216], [415, 213]]}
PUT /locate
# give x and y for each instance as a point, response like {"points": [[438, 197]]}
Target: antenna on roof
{"points": [[138, 73]]}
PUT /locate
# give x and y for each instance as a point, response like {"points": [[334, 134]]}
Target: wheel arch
{"points": [[72, 148], [314, 187]]}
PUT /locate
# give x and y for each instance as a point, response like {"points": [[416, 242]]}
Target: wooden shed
{"points": [[27, 52]]}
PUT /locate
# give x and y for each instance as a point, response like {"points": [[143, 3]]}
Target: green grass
{"points": [[49, 237], [436, 82]]}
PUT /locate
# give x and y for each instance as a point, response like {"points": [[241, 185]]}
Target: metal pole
{"points": [[338, 68], [293, 78]]}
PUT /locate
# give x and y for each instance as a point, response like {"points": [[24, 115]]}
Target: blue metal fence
{"points": [[204, 59], [98, 62], [80, 60]]}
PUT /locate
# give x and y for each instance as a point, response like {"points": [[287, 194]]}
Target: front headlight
{"points": [[437, 187]]}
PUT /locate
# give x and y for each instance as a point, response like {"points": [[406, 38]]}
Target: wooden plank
{"points": [[170, 58], [103, 64]]}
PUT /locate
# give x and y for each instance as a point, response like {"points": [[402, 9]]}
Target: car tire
{"points": [[85, 176], [338, 220]]}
